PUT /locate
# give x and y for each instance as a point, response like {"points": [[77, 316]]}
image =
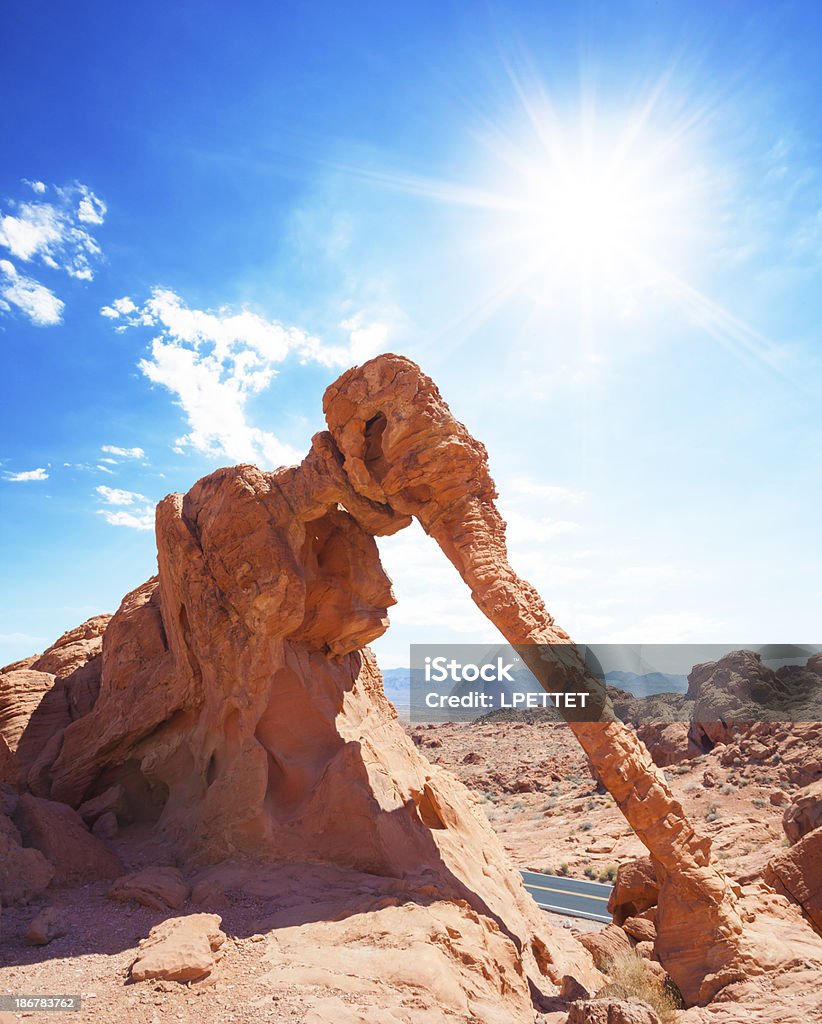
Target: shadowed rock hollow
{"points": [[240, 710]]}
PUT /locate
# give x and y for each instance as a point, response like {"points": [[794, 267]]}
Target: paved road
{"points": [[574, 896]]}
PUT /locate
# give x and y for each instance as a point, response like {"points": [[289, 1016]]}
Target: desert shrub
{"points": [[712, 814], [563, 870], [586, 826], [631, 979], [608, 874], [758, 803], [590, 873]]}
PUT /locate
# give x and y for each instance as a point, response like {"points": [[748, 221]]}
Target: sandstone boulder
{"points": [[635, 889], [58, 832], [797, 874], [24, 873], [611, 1011], [48, 925], [106, 826], [667, 742], [112, 801], [606, 945], [162, 888], [639, 928], [180, 949], [804, 813]]}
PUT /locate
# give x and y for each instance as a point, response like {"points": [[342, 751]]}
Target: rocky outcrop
{"points": [[797, 874], [39, 700], [636, 889], [242, 712], [804, 814], [24, 873], [162, 888], [59, 834], [403, 449]]}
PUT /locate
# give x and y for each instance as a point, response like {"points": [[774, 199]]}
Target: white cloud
{"points": [[92, 209], [56, 235], [142, 520], [214, 362], [28, 475], [38, 303], [118, 308], [115, 496], [365, 340], [140, 514], [123, 453], [104, 469]]}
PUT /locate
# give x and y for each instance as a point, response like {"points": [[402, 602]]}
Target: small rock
{"points": [[113, 800], [47, 926], [209, 892], [106, 826], [162, 888], [180, 949], [640, 929], [611, 1011]]}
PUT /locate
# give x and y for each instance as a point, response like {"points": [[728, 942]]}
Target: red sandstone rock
{"points": [[404, 449], [58, 832], [8, 765], [636, 889], [611, 1011], [606, 945], [21, 692], [48, 925], [640, 928], [667, 742], [269, 588], [804, 813], [240, 708], [162, 888], [74, 649], [180, 949], [24, 873], [797, 874], [112, 801]]}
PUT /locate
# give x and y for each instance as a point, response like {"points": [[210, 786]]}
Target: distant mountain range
{"points": [[397, 683], [649, 684]]}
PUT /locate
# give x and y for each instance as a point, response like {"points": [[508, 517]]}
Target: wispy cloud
{"points": [[39, 303], [123, 453], [142, 520], [140, 514], [53, 233], [116, 496], [27, 476], [214, 362]]}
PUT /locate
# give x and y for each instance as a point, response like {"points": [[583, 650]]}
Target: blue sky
{"points": [[597, 226]]}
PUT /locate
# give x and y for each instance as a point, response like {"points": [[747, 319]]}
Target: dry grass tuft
{"points": [[632, 979]]}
